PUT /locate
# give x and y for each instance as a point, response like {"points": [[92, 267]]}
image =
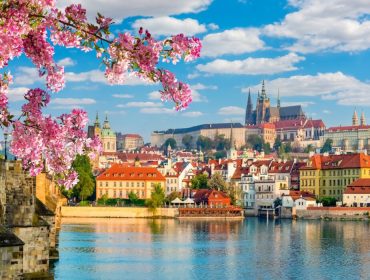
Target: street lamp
{"points": [[6, 134]]}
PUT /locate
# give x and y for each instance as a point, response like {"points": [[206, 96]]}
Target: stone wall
{"points": [[117, 212], [334, 213]]}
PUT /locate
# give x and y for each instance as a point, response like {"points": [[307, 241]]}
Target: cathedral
{"points": [[265, 113]]}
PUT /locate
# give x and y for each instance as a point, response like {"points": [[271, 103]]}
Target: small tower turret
{"points": [[355, 118], [362, 119]]}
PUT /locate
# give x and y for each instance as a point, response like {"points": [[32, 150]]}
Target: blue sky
{"points": [[316, 53]]}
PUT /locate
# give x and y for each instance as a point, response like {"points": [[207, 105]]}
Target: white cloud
{"points": [[233, 41], [97, 76], [121, 112], [346, 90], [138, 104], [154, 95], [66, 62], [157, 110], [17, 94], [27, 76], [327, 112], [192, 114], [332, 25], [200, 86], [193, 75], [252, 66], [197, 97], [73, 101], [212, 26], [119, 10], [123, 96], [170, 26], [231, 110]]}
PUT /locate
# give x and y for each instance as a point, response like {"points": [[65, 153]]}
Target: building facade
{"points": [[119, 180]]}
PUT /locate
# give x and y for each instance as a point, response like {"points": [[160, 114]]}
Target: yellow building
{"points": [[119, 180], [329, 175]]}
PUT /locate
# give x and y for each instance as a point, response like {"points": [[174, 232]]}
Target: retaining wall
{"points": [[117, 212], [334, 212]]}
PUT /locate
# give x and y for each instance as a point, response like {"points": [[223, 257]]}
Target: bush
{"points": [[84, 203], [328, 201]]}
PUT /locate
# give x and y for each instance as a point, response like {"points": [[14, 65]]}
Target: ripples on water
{"points": [[176, 249]]}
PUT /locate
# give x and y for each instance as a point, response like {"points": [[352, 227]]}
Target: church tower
{"points": [[263, 106], [108, 137], [249, 111], [355, 118], [363, 119]]}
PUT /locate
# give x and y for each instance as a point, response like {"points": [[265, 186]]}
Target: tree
{"points": [[288, 147], [199, 182], [255, 142], [266, 148], [157, 197], [328, 146], [171, 142], [217, 183], [277, 144], [220, 154], [309, 148], [86, 181], [221, 143], [187, 141], [328, 201], [172, 196], [204, 143], [132, 197], [33, 28]]}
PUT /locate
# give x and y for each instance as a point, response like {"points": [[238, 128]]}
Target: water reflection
{"points": [[185, 249]]}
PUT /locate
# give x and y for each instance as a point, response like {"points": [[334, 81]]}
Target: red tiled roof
{"points": [[239, 171], [339, 161], [365, 182], [350, 127], [132, 135], [314, 123], [267, 125], [281, 167], [120, 172], [141, 156], [360, 186]]}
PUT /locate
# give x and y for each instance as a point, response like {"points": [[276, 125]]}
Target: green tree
{"points": [[309, 148], [172, 196], [217, 183], [288, 147], [187, 141], [199, 182], [255, 142], [204, 143], [221, 143], [157, 197], [328, 201], [132, 197], [277, 144], [266, 148], [219, 154], [86, 184], [171, 142], [328, 146]]}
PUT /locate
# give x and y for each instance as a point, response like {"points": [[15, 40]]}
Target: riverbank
{"points": [[117, 212], [334, 213]]}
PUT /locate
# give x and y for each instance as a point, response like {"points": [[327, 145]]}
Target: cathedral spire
{"points": [[263, 91], [278, 99], [355, 118], [249, 110], [106, 122], [97, 123], [363, 119]]}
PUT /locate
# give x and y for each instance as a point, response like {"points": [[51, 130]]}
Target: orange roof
{"points": [[339, 161], [360, 186], [239, 171], [267, 125], [119, 172]]}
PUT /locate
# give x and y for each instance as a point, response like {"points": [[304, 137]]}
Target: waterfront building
{"points": [[119, 180], [211, 198], [353, 138], [128, 142], [207, 130], [328, 175], [357, 194]]}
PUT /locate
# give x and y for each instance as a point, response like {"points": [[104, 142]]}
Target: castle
{"points": [[265, 113]]}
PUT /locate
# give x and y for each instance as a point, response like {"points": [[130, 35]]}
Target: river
{"points": [[187, 249]]}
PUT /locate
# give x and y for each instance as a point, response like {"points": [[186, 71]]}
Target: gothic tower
{"points": [[363, 119], [263, 106], [249, 110], [355, 118]]}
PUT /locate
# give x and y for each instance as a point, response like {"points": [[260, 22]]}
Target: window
{"points": [[106, 184], [101, 184], [114, 184]]}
